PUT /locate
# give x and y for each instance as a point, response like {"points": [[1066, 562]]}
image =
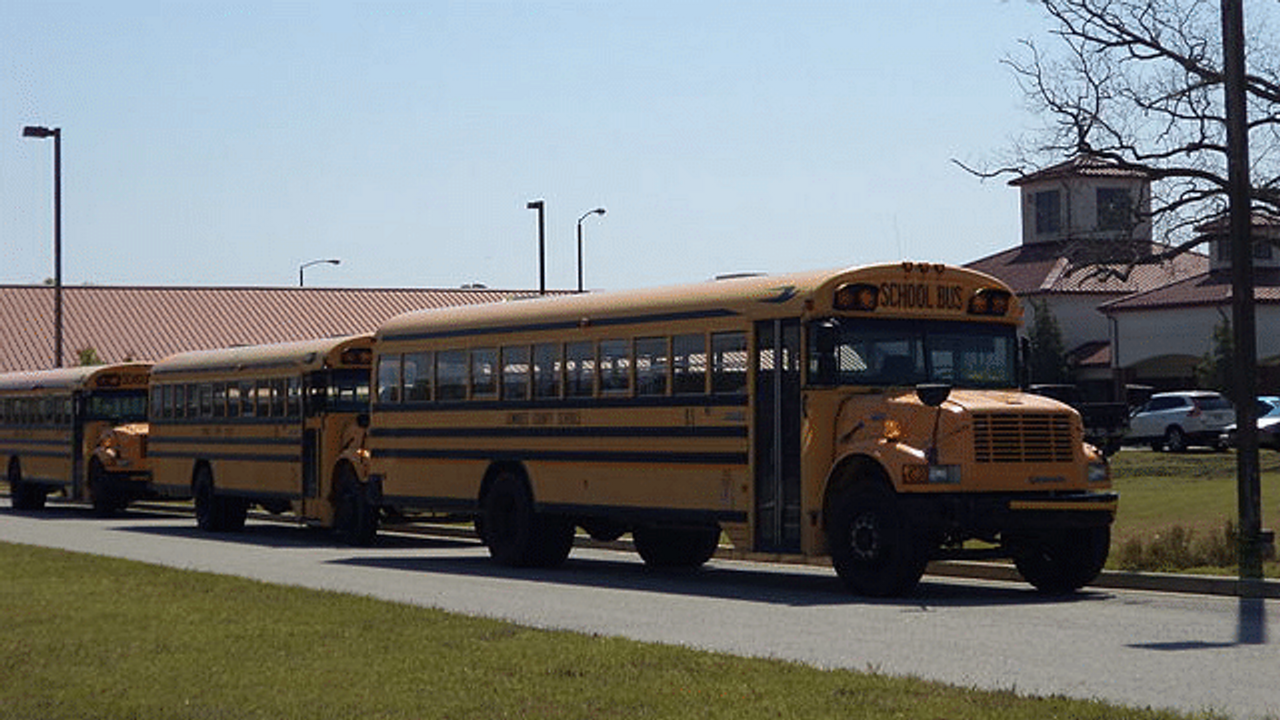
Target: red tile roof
{"points": [[1083, 166], [1042, 268], [150, 323]]}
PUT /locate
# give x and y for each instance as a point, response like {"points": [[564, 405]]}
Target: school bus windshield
{"points": [[119, 406], [852, 351]]}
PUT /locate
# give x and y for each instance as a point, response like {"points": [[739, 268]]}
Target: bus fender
{"points": [[848, 471]]}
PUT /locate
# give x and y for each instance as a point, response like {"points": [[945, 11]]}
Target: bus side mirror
{"points": [[933, 394], [362, 421]]}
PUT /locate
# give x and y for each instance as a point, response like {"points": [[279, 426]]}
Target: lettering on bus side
{"points": [[921, 296]]}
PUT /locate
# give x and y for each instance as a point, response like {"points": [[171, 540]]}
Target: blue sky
{"points": [[227, 143]]}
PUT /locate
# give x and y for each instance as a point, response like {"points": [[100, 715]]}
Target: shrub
{"points": [[1179, 548]]}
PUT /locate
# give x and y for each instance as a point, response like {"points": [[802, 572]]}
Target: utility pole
{"points": [[1244, 319]]}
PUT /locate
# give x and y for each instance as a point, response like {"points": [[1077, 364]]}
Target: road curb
{"points": [[1119, 580]]}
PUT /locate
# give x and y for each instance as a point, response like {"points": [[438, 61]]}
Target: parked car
{"points": [[1175, 421], [1268, 409]]}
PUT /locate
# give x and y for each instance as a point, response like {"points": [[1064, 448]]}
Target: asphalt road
{"points": [[1137, 648]]}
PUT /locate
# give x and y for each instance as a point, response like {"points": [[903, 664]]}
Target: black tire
{"points": [[1062, 561], [208, 516], [1175, 440], [355, 519], [873, 547], [517, 535], [676, 546], [22, 494], [214, 512], [105, 492]]}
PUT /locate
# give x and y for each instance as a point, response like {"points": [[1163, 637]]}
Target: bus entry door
{"points": [[777, 436]]}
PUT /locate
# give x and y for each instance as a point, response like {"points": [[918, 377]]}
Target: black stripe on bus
{"points": [[567, 431], [639, 515], [237, 457], [201, 440], [45, 442], [564, 325], [27, 452], [678, 516], [587, 403], [665, 457]]}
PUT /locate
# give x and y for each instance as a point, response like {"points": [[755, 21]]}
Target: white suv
{"points": [[1176, 420]]}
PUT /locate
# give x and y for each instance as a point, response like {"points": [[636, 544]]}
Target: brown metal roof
{"points": [[1042, 268], [150, 323], [1209, 289]]}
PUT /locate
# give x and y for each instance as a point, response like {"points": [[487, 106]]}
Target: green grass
{"points": [[90, 637], [1166, 498]]}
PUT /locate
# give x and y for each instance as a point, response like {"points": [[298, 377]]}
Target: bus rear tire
{"points": [[22, 494], [216, 513], [516, 534], [873, 548], [1063, 561], [676, 546]]}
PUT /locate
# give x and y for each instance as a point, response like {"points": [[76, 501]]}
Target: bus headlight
{"points": [[1099, 472], [931, 475]]}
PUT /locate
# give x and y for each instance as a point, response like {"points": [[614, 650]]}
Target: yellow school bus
{"points": [[272, 425], [51, 423], [870, 414]]}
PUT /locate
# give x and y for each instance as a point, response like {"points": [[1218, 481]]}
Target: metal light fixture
{"points": [[585, 215]]}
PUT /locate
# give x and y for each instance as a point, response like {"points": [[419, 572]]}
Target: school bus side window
{"points": [[293, 404], [248, 402], [515, 372], [615, 366], [580, 369], [219, 399], [548, 367], [451, 375], [416, 372], [389, 378], [689, 364], [728, 363], [653, 365], [233, 399], [484, 373]]}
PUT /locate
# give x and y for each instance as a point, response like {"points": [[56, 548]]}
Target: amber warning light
{"points": [[989, 301], [857, 296]]}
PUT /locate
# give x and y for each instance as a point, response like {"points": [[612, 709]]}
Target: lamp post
{"points": [[305, 265], [585, 215], [36, 131], [541, 207]]}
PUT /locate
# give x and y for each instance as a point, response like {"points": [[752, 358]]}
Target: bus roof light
{"points": [[989, 301], [857, 296]]}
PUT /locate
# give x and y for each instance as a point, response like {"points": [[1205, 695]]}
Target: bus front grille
{"points": [[1022, 437]]}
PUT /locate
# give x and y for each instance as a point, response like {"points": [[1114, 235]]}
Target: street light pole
{"points": [[36, 131], [541, 207], [597, 211], [305, 265]]}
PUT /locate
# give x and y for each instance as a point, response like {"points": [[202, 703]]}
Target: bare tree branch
{"points": [[1138, 83]]}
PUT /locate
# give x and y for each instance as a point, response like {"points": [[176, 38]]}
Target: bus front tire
{"points": [[873, 548], [104, 491], [676, 546], [1062, 562], [355, 518], [516, 534]]}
